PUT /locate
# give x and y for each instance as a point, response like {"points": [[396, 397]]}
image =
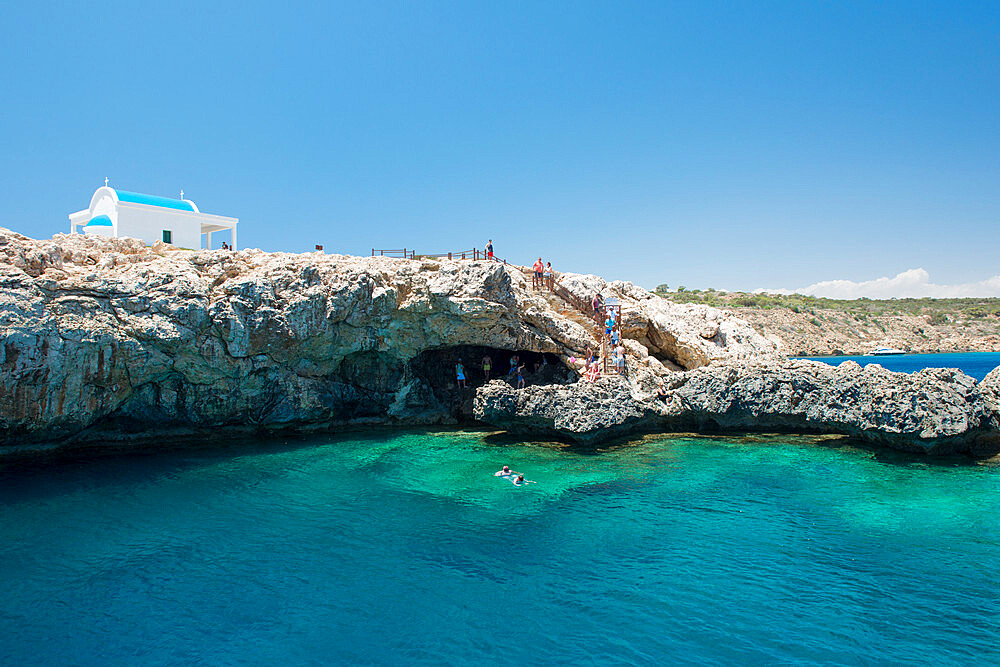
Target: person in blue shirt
{"points": [[619, 360]]}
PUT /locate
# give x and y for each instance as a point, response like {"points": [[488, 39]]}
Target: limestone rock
{"points": [[934, 410], [688, 335], [990, 389], [106, 339]]}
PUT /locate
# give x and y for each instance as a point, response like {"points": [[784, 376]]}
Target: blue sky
{"points": [[733, 145]]}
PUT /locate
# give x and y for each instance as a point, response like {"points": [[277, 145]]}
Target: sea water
{"points": [[976, 364], [400, 548]]}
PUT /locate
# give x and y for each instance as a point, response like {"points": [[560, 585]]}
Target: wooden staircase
{"points": [[582, 312]]}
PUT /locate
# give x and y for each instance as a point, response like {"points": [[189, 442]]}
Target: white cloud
{"points": [[913, 283]]}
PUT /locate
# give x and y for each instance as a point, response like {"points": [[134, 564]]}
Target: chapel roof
{"points": [[154, 200]]}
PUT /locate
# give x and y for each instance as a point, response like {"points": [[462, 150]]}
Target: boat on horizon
{"points": [[881, 351]]}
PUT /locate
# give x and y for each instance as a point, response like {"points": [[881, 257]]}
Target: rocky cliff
{"points": [[106, 339]]}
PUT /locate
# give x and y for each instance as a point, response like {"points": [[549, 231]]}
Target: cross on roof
{"points": [[105, 181], [182, 193]]}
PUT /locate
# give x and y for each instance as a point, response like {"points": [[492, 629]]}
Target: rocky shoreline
{"points": [[936, 411], [106, 340]]}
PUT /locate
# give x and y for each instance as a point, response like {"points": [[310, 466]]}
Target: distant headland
{"points": [[808, 326]]}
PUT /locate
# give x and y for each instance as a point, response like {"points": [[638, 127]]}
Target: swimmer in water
{"points": [[520, 480], [503, 472]]}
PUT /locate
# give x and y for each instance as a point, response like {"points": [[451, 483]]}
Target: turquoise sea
{"points": [[402, 548], [976, 364]]}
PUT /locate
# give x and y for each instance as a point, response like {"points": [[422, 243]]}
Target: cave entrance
{"points": [[436, 368]]}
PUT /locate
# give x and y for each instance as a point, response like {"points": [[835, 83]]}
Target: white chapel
{"points": [[149, 218]]}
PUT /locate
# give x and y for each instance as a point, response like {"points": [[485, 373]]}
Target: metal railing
{"points": [[404, 253], [472, 253], [407, 253]]}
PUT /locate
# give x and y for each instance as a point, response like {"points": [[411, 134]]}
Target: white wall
{"points": [[105, 205], [148, 223], [98, 230]]}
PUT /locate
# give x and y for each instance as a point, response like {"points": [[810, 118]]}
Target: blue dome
{"points": [[99, 221], [153, 200]]}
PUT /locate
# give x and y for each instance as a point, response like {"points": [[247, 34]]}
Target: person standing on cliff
{"points": [[487, 367], [539, 268], [460, 372], [489, 249], [661, 392], [548, 276]]}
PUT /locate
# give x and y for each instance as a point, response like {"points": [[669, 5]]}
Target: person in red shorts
{"points": [[489, 250]]}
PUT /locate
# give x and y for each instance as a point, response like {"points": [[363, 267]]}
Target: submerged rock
{"points": [[106, 339]]}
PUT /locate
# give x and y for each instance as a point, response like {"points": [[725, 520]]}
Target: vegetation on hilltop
{"points": [[939, 311]]}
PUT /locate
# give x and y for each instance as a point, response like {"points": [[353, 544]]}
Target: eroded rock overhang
{"points": [[106, 338]]}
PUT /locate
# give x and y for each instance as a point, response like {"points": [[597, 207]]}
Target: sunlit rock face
{"points": [[939, 411], [107, 339]]}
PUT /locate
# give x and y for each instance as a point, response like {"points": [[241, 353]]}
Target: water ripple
{"points": [[404, 548]]}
